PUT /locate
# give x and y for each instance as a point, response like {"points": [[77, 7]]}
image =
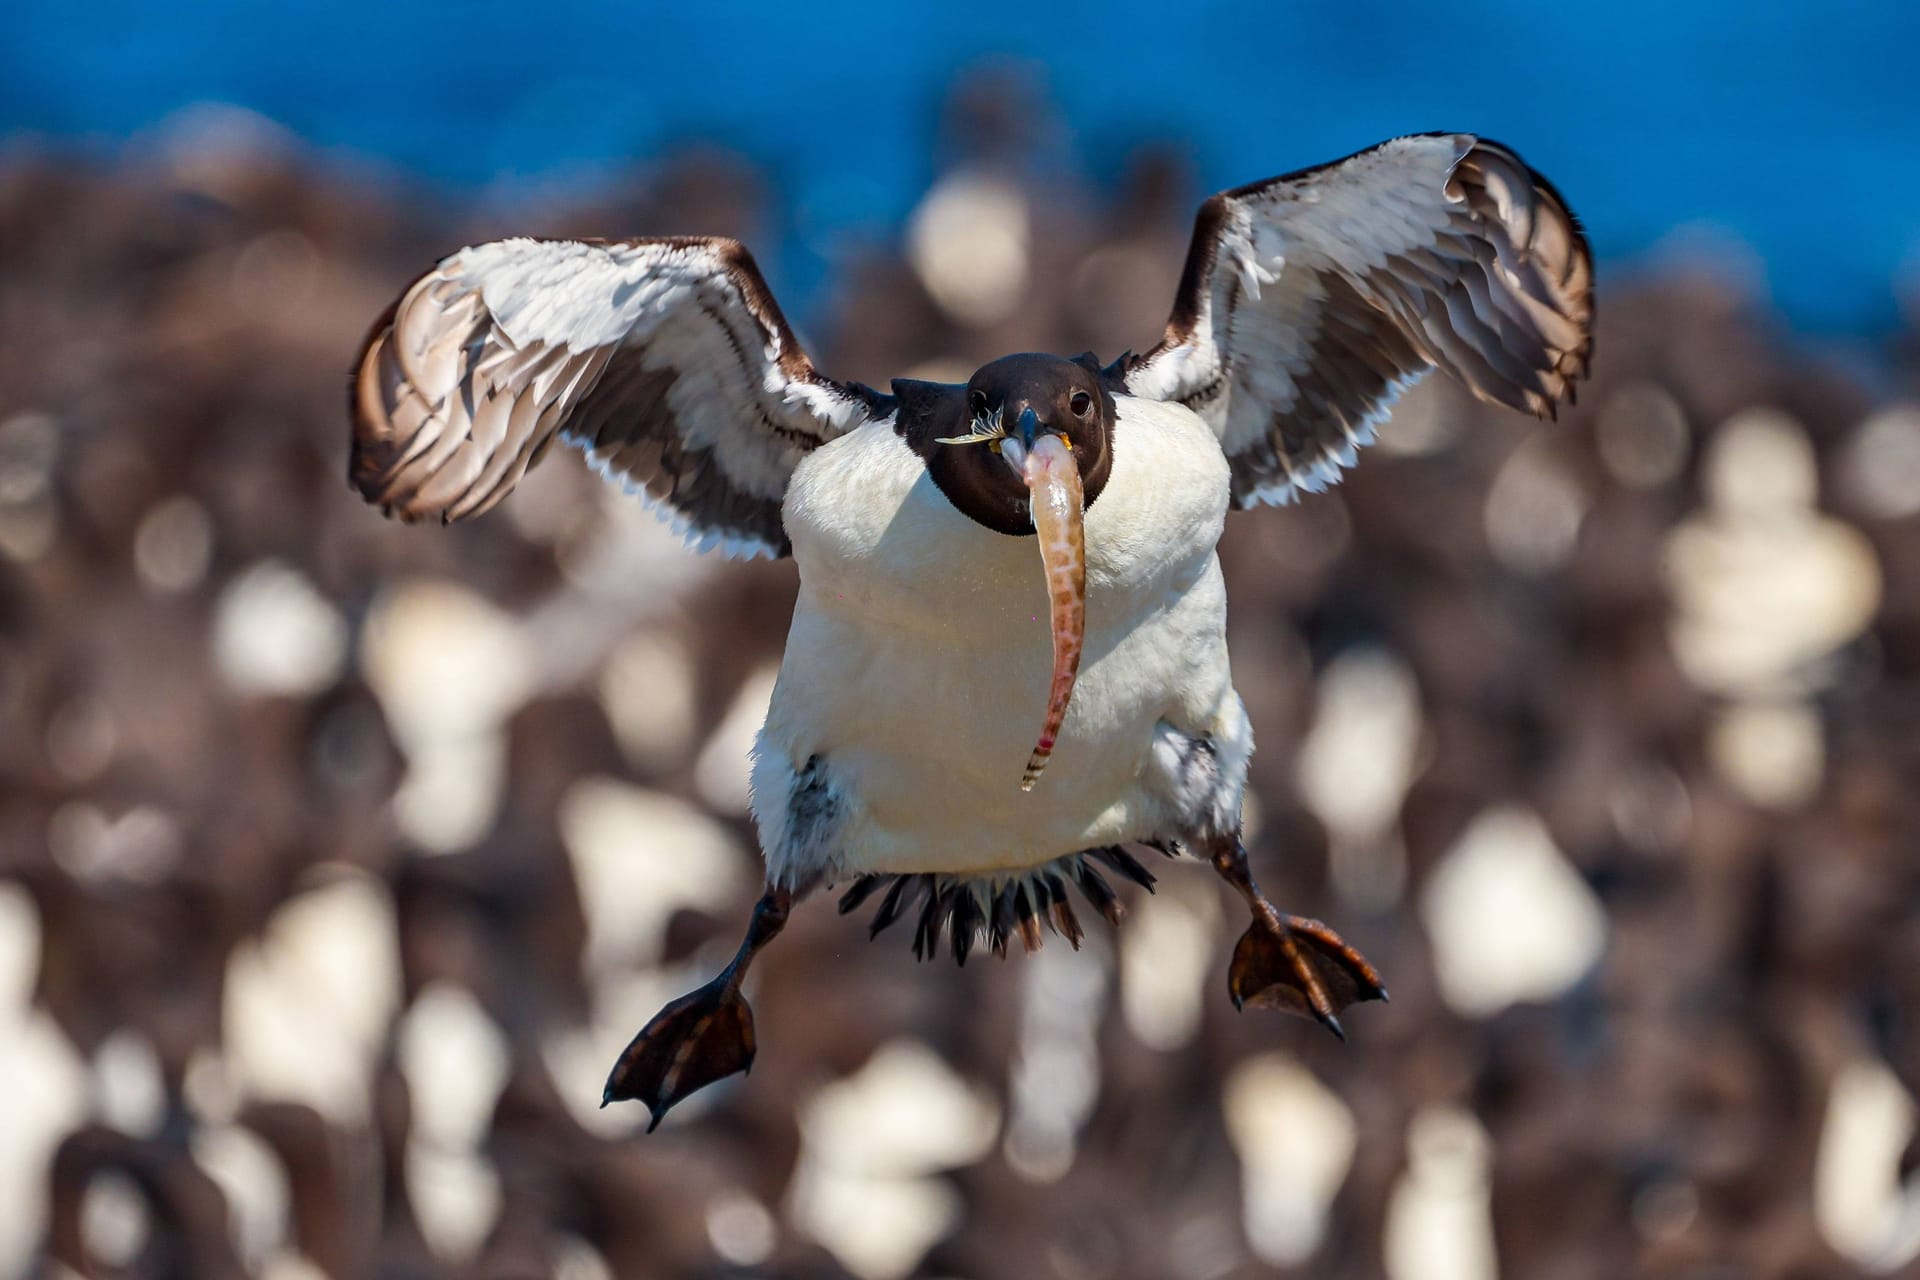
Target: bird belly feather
{"points": [[917, 666]]}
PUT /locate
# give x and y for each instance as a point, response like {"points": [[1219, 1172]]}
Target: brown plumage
{"points": [[464, 383], [1481, 272]]}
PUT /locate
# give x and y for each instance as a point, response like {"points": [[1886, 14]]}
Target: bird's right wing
{"points": [[667, 361]]}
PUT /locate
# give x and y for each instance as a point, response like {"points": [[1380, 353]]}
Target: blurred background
{"points": [[340, 858]]}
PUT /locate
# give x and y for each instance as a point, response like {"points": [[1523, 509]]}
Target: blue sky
{"points": [[1794, 128]]}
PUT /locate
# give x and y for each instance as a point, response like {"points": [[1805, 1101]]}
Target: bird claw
{"points": [[1301, 967], [704, 1036]]}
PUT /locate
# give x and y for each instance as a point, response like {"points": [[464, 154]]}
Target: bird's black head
{"points": [[976, 438]]}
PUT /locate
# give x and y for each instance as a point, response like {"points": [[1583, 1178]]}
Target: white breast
{"points": [[919, 657]]}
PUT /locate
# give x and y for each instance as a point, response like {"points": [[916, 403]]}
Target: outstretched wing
{"points": [[667, 361], [1310, 301]]}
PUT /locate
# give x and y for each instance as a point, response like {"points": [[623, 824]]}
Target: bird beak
{"points": [[1047, 463]]}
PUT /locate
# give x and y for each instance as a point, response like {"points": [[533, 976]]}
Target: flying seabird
{"points": [[961, 726]]}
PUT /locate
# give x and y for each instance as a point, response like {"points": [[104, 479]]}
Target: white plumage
{"points": [[918, 659]]}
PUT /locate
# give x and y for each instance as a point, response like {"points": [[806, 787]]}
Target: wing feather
{"points": [[667, 361], [1310, 301]]}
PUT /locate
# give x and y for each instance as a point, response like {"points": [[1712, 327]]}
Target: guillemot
{"points": [[929, 735]]}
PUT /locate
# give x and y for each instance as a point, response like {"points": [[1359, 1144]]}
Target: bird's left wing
{"points": [[1310, 301], [667, 361]]}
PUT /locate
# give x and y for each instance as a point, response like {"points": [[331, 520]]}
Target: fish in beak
{"points": [[1046, 462]]}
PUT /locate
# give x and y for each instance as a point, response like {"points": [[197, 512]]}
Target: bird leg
{"points": [[705, 1035], [1289, 963]]}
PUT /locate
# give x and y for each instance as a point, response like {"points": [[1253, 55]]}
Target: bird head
{"points": [[1010, 406], [1032, 450]]}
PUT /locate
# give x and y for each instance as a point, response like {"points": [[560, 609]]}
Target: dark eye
{"points": [[977, 402], [1082, 404]]}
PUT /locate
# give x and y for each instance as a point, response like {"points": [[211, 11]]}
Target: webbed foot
{"points": [[704, 1036], [1300, 967], [1290, 963]]}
